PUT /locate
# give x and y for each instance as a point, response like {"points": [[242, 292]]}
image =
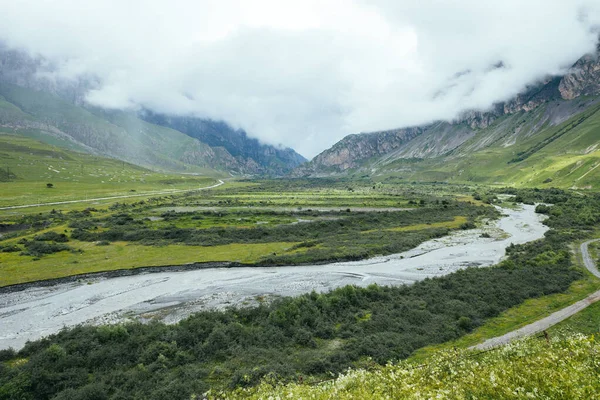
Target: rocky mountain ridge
{"points": [[445, 137]]}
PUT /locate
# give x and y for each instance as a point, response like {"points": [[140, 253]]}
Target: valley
{"points": [[255, 258], [162, 237], [264, 223]]}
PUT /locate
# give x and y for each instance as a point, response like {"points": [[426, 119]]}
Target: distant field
{"points": [[266, 222], [15, 268], [28, 166]]}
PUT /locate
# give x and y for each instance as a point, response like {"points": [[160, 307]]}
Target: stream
{"points": [[36, 312]]}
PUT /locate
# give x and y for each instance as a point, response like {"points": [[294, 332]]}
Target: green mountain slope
{"points": [[40, 106], [557, 144], [565, 155], [117, 134], [548, 134]]}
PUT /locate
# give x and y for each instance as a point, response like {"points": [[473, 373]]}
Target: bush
{"points": [[542, 209], [10, 248], [37, 248], [52, 237], [468, 225]]}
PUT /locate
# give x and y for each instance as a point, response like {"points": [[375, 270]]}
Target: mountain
{"points": [[35, 102], [247, 151], [548, 133]]}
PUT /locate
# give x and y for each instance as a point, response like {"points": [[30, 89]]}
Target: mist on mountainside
{"points": [[302, 74]]}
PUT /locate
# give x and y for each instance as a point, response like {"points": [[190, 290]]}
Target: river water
{"points": [[40, 311]]}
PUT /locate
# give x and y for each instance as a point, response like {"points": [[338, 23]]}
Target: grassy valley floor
{"points": [[310, 336]]}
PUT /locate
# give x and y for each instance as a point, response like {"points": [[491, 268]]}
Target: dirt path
{"points": [[554, 318], [114, 197]]}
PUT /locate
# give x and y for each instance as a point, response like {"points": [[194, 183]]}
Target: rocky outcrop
{"points": [[583, 79], [353, 150], [480, 119], [531, 98]]}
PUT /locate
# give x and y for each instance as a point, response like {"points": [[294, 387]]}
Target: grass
{"points": [[76, 176], [586, 321], [454, 224], [221, 210], [238, 220], [316, 198], [16, 269], [564, 369]]}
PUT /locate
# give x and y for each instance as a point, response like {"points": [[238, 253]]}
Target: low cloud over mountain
{"points": [[306, 73]]}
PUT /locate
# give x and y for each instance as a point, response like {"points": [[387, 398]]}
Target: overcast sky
{"points": [[305, 73]]}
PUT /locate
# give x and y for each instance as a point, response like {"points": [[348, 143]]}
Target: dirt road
{"points": [[114, 197], [554, 318]]}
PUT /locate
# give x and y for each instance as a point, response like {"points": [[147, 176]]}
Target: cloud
{"points": [[305, 73]]}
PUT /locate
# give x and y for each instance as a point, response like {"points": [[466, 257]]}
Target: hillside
{"points": [[119, 135], [28, 165], [248, 152], [561, 369], [55, 112], [548, 133]]}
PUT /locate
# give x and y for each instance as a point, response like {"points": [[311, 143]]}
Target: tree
{"points": [[49, 185]]}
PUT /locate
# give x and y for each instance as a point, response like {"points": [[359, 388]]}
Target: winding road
{"points": [[114, 197], [554, 318]]}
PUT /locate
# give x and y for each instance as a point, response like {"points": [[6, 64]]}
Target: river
{"points": [[36, 312]]}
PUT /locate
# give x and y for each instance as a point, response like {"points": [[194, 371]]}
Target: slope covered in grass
{"points": [[27, 166], [117, 134], [518, 150], [565, 368]]}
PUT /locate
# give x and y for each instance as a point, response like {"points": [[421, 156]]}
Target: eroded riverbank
{"points": [[39, 311]]}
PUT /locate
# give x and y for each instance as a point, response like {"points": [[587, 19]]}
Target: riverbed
{"points": [[36, 312]]}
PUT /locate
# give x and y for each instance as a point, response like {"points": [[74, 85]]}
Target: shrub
{"points": [[542, 209], [37, 248], [10, 248], [467, 225], [52, 237]]}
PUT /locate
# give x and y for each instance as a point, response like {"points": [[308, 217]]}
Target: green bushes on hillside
{"points": [[566, 368]]}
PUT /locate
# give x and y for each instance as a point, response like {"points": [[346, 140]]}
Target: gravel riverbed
{"points": [[36, 312]]}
